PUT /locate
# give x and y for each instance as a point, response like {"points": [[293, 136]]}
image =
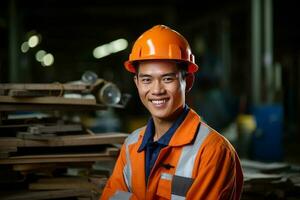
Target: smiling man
{"points": [[176, 155]]}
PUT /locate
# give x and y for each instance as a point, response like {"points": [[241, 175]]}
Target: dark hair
{"points": [[182, 66], [135, 65]]}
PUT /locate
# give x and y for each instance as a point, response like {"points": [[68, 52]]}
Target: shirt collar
{"points": [[165, 139]]}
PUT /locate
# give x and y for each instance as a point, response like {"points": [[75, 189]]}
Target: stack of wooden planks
{"points": [[49, 157], [264, 180], [37, 96], [39, 154], [71, 148]]}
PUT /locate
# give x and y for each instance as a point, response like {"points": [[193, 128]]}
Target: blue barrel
{"points": [[268, 137]]}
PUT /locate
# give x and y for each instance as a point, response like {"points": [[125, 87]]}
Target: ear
{"points": [[190, 78], [135, 80]]}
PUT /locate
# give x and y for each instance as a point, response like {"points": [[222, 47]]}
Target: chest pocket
{"points": [[164, 186]]}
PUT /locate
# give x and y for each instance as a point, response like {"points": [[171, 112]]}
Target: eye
{"points": [[146, 80], [168, 79]]}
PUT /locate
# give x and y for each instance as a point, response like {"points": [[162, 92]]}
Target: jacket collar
{"points": [[186, 131], [165, 139]]}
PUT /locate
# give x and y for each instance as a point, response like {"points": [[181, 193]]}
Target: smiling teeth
{"points": [[158, 101]]}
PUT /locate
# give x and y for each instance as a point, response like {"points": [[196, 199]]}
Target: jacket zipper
{"points": [[151, 172]]}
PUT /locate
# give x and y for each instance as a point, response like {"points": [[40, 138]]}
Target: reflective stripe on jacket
{"points": [[199, 163]]}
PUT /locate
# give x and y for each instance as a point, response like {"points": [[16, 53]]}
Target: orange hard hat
{"points": [[161, 43]]}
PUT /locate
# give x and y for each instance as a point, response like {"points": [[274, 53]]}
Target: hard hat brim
{"points": [[192, 67]]}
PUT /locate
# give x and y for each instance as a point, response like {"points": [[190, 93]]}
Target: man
{"points": [[176, 155]]}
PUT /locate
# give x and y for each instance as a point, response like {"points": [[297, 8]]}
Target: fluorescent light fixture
{"points": [[112, 47], [101, 51], [118, 45]]}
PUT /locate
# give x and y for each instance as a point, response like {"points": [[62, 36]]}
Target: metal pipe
{"points": [[256, 50], [268, 52]]}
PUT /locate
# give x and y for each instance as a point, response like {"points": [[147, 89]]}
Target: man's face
{"points": [[161, 88]]}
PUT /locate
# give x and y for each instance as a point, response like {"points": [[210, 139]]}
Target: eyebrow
{"points": [[141, 75]]}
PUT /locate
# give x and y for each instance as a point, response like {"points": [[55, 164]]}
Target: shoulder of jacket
{"points": [[134, 136], [215, 139]]}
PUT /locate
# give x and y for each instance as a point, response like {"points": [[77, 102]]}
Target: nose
{"points": [[157, 88]]}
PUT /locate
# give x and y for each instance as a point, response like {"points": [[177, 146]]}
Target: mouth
{"points": [[159, 102]]}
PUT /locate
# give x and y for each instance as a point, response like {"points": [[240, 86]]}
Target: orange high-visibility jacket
{"points": [[198, 163]]}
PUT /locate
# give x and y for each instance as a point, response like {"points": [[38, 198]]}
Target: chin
{"points": [[160, 114]]}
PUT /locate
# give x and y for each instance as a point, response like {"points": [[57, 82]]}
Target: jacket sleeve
{"points": [[219, 174], [116, 181]]}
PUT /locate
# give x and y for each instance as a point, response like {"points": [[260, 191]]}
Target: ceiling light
{"points": [[24, 47], [48, 59], [33, 41], [39, 55]]}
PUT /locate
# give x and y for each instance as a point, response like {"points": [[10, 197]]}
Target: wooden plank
{"points": [[84, 198], [43, 86], [29, 136], [33, 93], [47, 107], [62, 179], [38, 129], [104, 138], [8, 149], [102, 154], [5, 151], [108, 154], [260, 177], [39, 166], [70, 150], [102, 151], [54, 159], [112, 151], [63, 184], [61, 87], [54, 194], [47, 100], [264, 166], [30, 119], [295, 179], [4, 155], [15, 126], [70, 140]]}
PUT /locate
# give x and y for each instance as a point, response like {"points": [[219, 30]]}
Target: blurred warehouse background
{"points": [[248, 52]]}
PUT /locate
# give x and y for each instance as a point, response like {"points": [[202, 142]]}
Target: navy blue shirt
{"points": [[152, 148]]}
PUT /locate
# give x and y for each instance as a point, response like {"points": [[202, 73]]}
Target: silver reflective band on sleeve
{"points": [[127, 172], [176, 197], [121, 195], [166, 176], [188, 155]]}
